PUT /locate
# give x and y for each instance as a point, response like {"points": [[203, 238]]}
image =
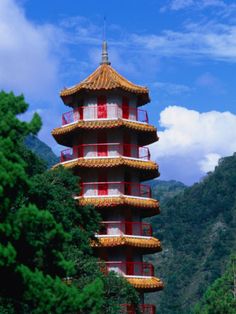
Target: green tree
{"points": [[52, 190], [45, 234], [32, 240], [220, 297]]}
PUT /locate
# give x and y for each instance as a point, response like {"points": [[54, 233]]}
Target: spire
{"points": [[105, 59]]}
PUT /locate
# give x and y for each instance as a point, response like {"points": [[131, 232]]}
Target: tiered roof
{"points": [[139, 242], [148, 133], [148, 169], [146, 284], [149, 204], [106, 78]]}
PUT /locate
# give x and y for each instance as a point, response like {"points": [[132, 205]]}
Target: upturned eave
{"points": [[105, 78]]}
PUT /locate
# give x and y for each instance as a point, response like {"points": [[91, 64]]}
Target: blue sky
{"points": [[183, 50]]}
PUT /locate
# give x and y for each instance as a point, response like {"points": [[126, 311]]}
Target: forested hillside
{"points": [[220, 297], [197, 229], [163, 190]]}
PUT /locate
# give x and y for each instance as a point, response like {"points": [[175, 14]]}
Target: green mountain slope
{"points": [[197, 229], [163, 190], [42, 150], [220, 297]]}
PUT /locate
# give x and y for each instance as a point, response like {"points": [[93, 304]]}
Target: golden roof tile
{"points": [[106, 78], [63, 134], [120, 200], [148, 169], [109, 162], [139, 242], [103, 124], [150, 284], [149, 206]]}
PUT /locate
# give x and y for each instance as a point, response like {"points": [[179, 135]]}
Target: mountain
{"points": [[197, 229], [220, 297], [163, 190], [42, 150]]}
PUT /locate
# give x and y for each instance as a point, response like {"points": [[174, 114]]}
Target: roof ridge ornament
{"points": [[105, 59]]}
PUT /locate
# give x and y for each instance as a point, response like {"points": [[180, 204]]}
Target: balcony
{"points": [[120, 228], [135, 269], [106, 150], [107, 112], [143, 308], [114, 189]]}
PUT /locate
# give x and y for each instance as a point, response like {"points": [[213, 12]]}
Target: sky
{"points": [[183, 50]]}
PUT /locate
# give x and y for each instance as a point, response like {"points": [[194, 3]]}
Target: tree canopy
{"points": [[44, 233], [197, 230], [220, 297]]}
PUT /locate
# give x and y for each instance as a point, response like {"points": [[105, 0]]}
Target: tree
{"points": [[45, 234], [220, 296], [32, 262], [52, 190]]}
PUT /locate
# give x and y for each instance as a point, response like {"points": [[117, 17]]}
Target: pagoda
{"points": [[107, 133]]}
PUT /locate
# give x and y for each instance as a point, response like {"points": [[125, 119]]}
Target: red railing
{"points": [[125, 227], [90, 189], [130, 268], [143, 308], [107, 112], [105, 149]]}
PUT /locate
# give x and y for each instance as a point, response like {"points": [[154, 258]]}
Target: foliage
{"points": [[219, 297], [52, 190], [197, 229], [116, 289], [13, 179], [126, 295], [163, 190], [44, 233]]}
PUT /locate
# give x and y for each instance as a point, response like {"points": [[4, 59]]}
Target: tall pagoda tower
{"points": [[107, 133]]}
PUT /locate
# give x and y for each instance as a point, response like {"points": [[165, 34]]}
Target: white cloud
{"points": [[214, 3], [192, 142], [209, 162], [209, 40], [27, 61], [180, 4], [33, 58], [80, 30], [199, 4]]}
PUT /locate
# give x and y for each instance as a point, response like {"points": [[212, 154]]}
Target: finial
{"points": [[105, 59]]}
